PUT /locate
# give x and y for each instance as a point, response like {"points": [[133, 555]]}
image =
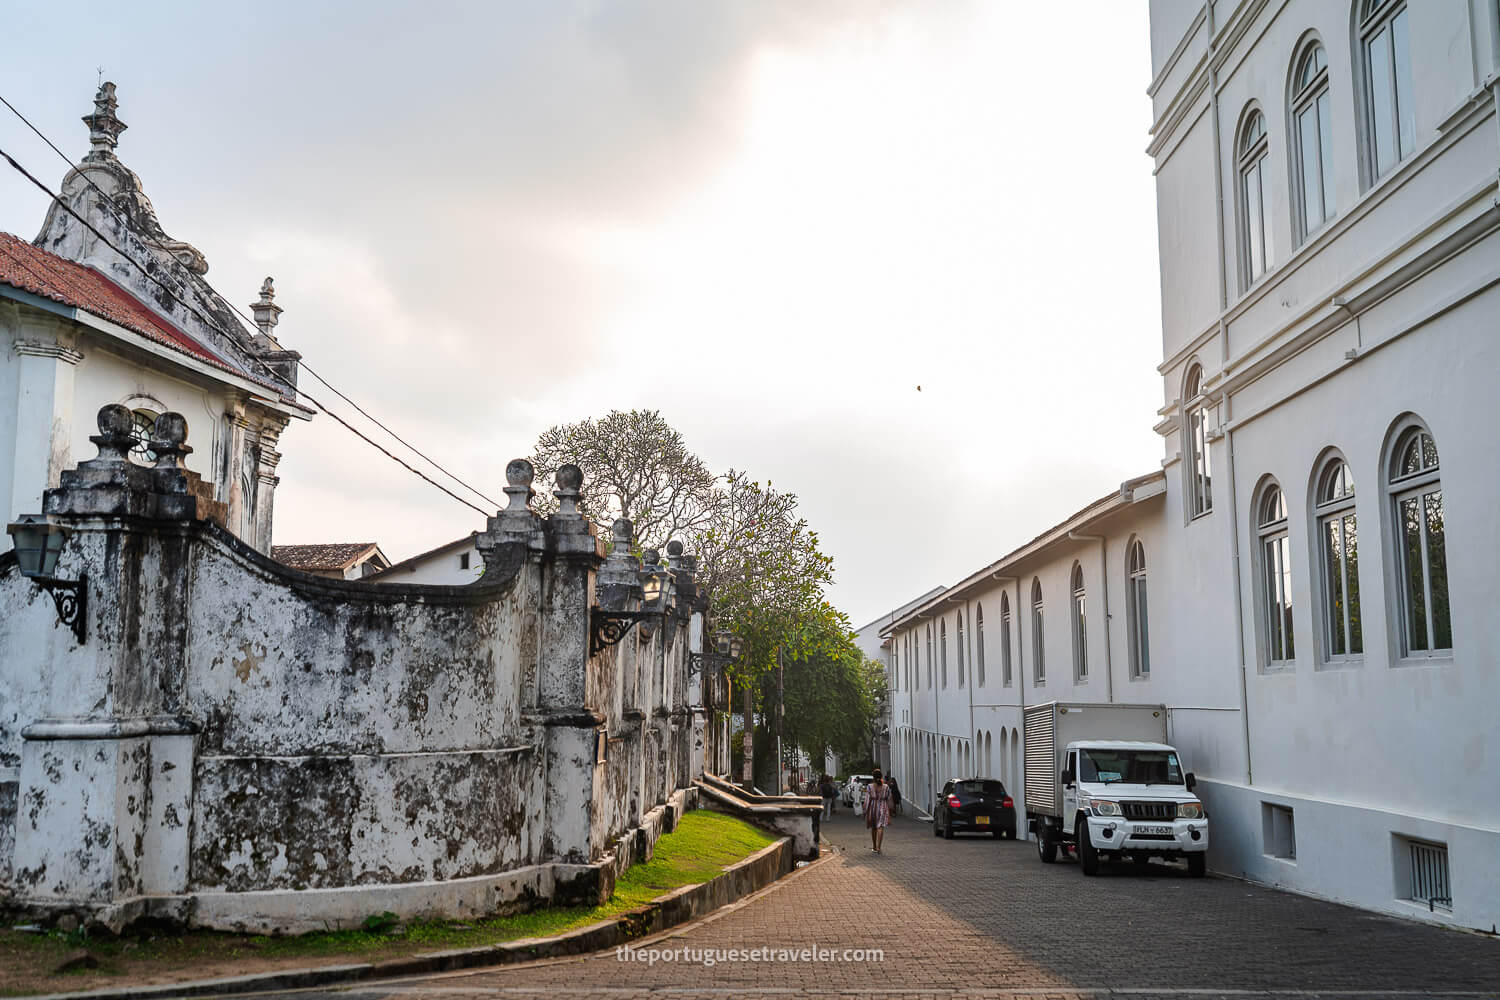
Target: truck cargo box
{"points": [[1051, 726]]}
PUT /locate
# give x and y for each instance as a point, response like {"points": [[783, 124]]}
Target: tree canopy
{"points": [[758, 560]]}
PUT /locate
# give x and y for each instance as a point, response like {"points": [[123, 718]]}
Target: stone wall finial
{"points": [[619, 582], [113, 485], [519, 476], [267, 313], [169, 441], [104, 125], [569, 491], [116, 434]]}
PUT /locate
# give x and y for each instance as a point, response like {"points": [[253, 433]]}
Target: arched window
{"points": [[1313, 148], [1005, 639], [1038, 641], [1135, 610], [1005, 761], [1421, 550], [959, 636], [929, 655], [1080, 626], [1275, 576], [1389, 118], [1195, 430], [1250, 155], [143, 423], [943, 650], [1017, 762], [979, 644], [989, 753], [1338, 539]]}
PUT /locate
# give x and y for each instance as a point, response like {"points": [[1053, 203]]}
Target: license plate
{"points": [[1153, 829], [982, 820]]}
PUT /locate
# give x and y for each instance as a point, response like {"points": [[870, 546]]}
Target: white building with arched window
{"points": [[1329, 225]]}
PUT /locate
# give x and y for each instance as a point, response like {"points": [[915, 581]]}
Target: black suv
{"points": [[974, 805]]}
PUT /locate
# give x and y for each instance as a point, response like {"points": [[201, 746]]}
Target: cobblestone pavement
{"points": [[984, 918]]}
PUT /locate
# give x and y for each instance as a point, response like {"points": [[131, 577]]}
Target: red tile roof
{"points": [[43, 273], [332, 555]]}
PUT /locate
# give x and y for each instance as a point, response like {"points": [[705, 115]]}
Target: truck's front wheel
{"points": [[1197, 864], [1046, 847], [1088, 857]]}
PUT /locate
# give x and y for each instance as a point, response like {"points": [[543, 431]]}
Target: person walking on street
{"points": [[877, 810], [895, 795], [827, 790]]}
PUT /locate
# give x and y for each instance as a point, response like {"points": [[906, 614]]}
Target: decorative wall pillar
{"points": [[574, 828], [106, 770]]}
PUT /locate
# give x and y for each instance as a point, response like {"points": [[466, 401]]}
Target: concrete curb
{"points": [[677, 907]]}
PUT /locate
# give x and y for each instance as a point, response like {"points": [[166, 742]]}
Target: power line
{"points": [[270, 371], [109, 203]]}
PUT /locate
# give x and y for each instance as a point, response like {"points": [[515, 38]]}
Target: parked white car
{"points": [[854, 790]]}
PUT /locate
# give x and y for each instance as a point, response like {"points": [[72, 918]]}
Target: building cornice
{"points": [[1132, 491], [47, 349], [1182, 46]]}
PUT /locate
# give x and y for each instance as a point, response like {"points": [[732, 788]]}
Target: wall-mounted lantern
{"points": [[38, 542]]}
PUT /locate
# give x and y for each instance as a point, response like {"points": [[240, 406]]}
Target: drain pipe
{"points": [[1109, 667], [1234, 532]]}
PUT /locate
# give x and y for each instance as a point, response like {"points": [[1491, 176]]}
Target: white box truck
{"points": [[1103, 783]]}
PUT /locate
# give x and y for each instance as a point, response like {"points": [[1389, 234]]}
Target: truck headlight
{"points": [[1190, 810], [1104, 807]]}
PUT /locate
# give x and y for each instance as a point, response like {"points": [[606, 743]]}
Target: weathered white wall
{"points": [[232, 728]]}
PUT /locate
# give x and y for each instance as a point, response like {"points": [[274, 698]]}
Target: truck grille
{"points": [[1149, 810]]}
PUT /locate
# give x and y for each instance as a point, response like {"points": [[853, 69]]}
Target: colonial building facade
{"points": [[105, 307], [1328, 213]]}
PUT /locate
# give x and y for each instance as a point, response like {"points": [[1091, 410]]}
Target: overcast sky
{"points": [[772, 221]]}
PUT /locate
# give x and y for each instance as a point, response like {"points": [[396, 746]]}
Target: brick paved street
{"points": [[977, 917]]}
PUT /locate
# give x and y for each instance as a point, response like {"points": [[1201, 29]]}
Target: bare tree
{"points": [[635, 465]]}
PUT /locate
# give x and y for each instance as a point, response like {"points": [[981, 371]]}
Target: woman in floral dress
{"points": [[877, 809]]}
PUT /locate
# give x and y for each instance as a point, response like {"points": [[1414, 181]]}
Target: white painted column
{"points": [[43, 421]]}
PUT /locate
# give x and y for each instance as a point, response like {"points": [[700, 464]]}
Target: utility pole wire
{"points": [[270, 371], [301, 363]]}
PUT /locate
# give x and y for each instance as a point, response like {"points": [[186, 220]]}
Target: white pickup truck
{"points": [[1102, 782]]}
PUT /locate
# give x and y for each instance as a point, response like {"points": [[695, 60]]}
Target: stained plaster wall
{"points": [[237, 744]]}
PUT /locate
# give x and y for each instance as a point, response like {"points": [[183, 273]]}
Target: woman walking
{"points": [[877, 810]]}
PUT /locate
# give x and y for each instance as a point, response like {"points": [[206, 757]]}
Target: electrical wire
{"points": [[270, 371], [108, 201]]}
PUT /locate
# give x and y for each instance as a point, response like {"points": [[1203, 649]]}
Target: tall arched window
{"points": [[1421, 549], [943, 650], [958, 619], [1135, 610], [1255, 246], [1339, 563], [1275, 576], [1005, 639], [1313, 148], [979, 644], [1080, 626], [1038, 641], [1195, 430], [895, 668], [929, 655], [1389, 118]]}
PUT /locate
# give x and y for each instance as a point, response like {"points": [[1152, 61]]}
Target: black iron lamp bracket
{"points": [[609, 627], [71, 598]]}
